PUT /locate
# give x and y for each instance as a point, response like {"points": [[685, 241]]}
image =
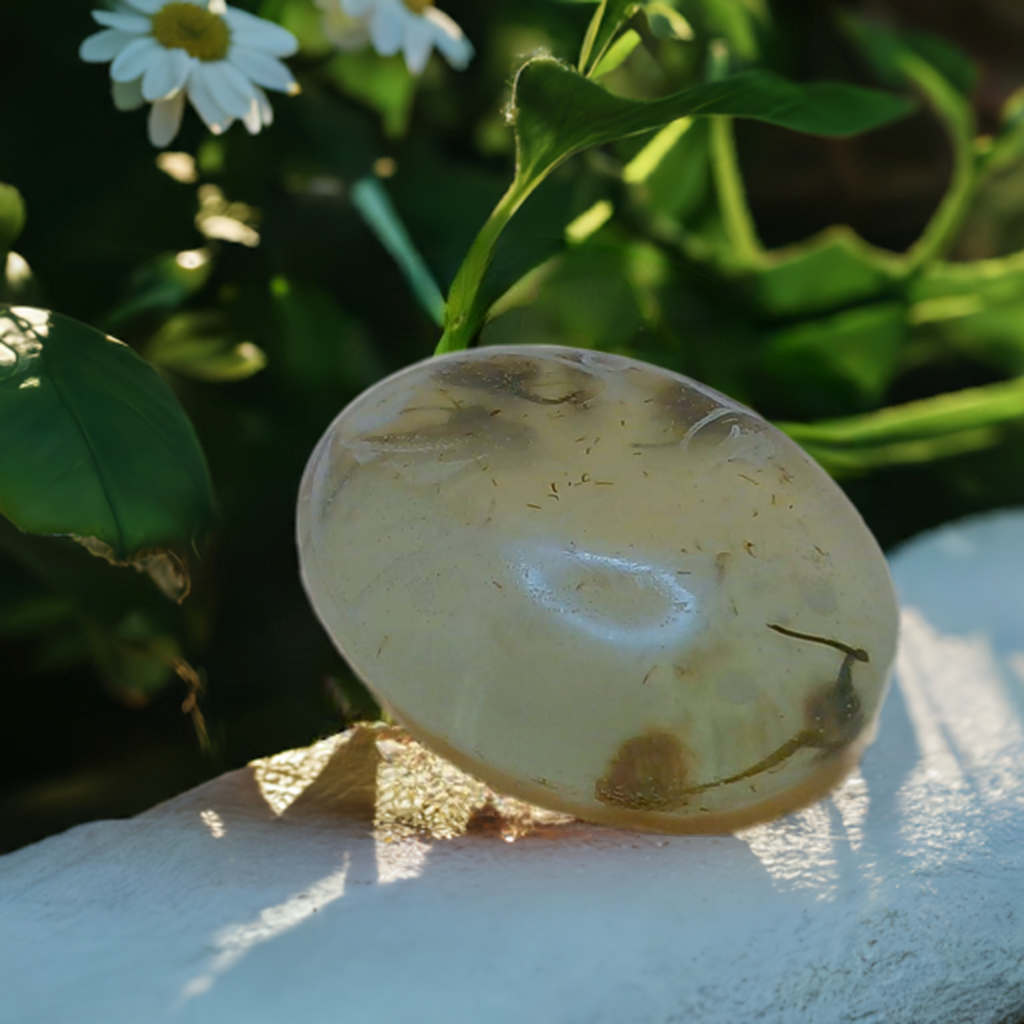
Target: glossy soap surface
{"points": [[599, 586]]}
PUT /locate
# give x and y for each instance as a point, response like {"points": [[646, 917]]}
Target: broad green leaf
{"points": [[93, 442], [558, 113], [607, 20], [918, 431], [833, 269], [193, 344], [977, 308], [837, 362], [12, 217], [950, 290]]}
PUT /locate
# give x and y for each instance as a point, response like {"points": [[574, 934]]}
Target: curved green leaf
{"points": [[194, 345], [93, 442], [833, 269], [557, 113]]}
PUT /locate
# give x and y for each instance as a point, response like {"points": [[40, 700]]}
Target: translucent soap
{"points": [[599, 586]]}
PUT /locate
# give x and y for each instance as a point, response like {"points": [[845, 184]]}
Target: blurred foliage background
{"points": [[243, 268]]}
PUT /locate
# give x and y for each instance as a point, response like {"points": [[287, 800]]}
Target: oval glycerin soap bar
{"points": [[599, 586]]}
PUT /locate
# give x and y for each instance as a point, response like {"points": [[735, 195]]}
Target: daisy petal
{"points": [[134, 59], [104, 46], [262, 69], [165, 120], [449, 39], [125, 22], [266, 110], [260, 113], [229, 87], [418, 43], [165, 75], [128, 95], [260, 34], [146, 6], [386, 29], [214, 116]]}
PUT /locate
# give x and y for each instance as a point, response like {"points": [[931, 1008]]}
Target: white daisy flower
{"points": [[413, 26], [217, 56]]}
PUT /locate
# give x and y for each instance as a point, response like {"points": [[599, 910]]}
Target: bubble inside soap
{"points": [[599, 586]]}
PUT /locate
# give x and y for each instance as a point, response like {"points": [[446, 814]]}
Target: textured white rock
{"points": [[263, 896]]}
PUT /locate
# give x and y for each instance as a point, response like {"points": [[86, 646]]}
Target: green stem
{"points": [[732, 195], [463, 316], [958, 119], [746, 247]]}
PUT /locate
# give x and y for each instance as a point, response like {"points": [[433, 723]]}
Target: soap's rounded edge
{"points": [[834, 771]]}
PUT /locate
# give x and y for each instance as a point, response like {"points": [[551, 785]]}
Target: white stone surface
{"points": [[899, 900]]}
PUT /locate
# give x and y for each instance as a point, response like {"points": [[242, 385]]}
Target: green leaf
{"points": [[371, 200], [947, 290], [976, 308], [846, 461], [193, 344], [673, 169], [163, 284], [738, 21], [12, 217], [617, 53], [840, 361], [833, 269], [558, 113], [665, 20], [607, 20], [93, 442], [938, 419], [886, 49], [956, 65]]}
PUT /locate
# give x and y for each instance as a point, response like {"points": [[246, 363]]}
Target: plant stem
{"points": [[464, 314], [956, 115], [747, 250]]}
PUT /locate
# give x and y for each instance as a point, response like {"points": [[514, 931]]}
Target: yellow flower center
{"points": [[185, 26], [416, 6]]}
